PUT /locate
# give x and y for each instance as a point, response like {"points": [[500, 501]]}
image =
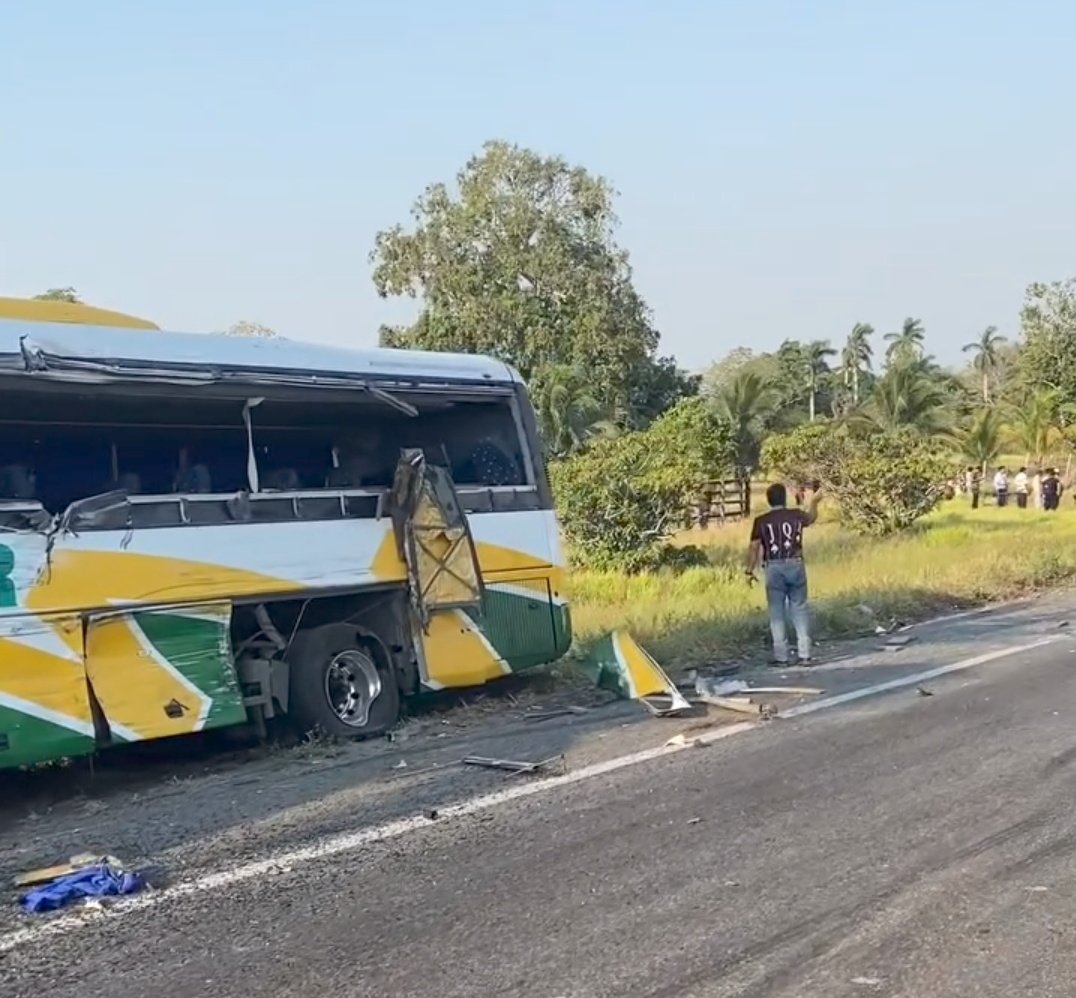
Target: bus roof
{"points": [[111, 352]]}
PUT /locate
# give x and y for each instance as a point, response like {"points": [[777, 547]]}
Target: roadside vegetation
{"points": [[952, 559]]}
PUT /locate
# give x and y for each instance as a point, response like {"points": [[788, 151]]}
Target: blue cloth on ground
{"points": [[90, 882]]}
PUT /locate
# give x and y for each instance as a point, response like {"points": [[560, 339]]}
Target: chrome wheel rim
{"points": [[352, 684]]}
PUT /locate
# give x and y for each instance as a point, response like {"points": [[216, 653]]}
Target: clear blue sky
{"points": [[785, 168]]}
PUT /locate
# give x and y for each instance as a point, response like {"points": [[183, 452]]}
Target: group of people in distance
{"points": [[1040, 489]]}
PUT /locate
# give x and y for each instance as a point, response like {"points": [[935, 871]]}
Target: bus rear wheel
{"points": [[340, 683]]}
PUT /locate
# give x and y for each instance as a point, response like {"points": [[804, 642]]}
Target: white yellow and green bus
{"points": [[200, 531]]}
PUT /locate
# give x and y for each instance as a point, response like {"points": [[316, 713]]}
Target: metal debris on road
{"points": [[511, 765], [705, 685], [924, 692], [742, 705], [619, 664]]}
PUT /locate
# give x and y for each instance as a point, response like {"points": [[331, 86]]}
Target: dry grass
{"points": [[953, 558]]}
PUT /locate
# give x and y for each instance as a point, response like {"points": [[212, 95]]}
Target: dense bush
{"points": [[620, 499], [882, 483]]}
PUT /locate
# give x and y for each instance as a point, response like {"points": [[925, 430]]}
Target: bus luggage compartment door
{"points": [[161, 672]]}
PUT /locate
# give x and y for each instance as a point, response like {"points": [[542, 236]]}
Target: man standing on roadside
{"points": [[1019, 484], [777, 543], [1001, 486], [974, 483], [1051, 490]]}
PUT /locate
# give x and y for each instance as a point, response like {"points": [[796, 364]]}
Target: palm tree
{"points": [[746, 403], [909, 395], [568, 413], [1036, 425], [856, 356], [907, 345], [814, 363], [987, 356], [982, 439]]}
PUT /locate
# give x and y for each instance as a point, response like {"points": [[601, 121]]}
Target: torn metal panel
{"points": [[619, 664], [433, 538]]}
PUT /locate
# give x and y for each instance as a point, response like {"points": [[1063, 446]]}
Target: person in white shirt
{"points": [[1019, 484], [1001, 486]]}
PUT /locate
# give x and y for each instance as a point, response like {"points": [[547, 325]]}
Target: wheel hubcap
{"points": [[352, 684]]}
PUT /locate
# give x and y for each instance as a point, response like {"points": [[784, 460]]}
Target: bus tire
{"points": [[331, 671]]}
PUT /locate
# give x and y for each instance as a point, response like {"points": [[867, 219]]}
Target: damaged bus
{"points": [[199, 531]]}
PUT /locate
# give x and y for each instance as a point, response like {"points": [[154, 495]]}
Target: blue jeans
{"points": [[786, 583]]}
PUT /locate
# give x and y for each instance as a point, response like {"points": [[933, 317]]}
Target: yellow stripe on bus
{"points": [[457, 653], [35, 310], [56, 684], [133, 687]]}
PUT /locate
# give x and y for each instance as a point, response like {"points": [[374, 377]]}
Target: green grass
{"points": [[954, 558]]}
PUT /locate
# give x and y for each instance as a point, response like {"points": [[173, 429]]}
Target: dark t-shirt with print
{"points": [[780, 532]]}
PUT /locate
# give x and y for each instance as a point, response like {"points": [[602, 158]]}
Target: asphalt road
{"points": [[898, 845]]}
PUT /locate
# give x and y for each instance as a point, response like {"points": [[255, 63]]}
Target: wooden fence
{"points": [[719, 502]]}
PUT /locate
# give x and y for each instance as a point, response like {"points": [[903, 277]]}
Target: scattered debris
{"points": [[402, 764], [898, 641], [433, 814], [694, 821], [742, 705], [619, 664], [924, 692], [870, 982], [96, 880], [1039, 889], [73, 865], [682, 741], [705, 686], [511, 765], [1063, 623], [790, 690], [545, 715]]}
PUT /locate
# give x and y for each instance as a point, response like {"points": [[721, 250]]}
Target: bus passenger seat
{"points": [[128, 481], [17, 482], [283, 480], [194, 480]]}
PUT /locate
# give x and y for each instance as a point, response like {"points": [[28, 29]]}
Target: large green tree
{"points": [[1048, 324], [518, 260]]}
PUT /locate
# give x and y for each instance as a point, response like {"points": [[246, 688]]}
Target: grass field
{"points": [[952, 559]]}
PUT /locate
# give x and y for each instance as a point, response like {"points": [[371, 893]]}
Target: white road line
{"points": [[350, 841], [915, 679]]}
